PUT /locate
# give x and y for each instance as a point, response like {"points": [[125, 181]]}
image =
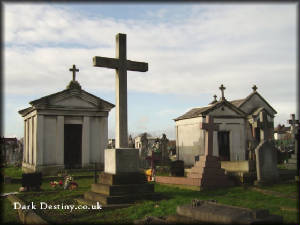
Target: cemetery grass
{"points": [[8, 215], [12, 171], [16, 172], [172, 196]]}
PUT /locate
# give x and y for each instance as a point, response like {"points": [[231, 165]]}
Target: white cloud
{"points": [[190, 52]]}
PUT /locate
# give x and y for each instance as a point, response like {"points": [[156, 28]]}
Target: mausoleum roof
{"points": [[234, 104], [73, 90], [202, 111]]}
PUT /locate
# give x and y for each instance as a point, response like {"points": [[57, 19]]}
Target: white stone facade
{"points": [[235, 118], [44, 124]]}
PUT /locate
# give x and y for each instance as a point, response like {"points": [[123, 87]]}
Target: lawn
{"points": [[172, 196]]}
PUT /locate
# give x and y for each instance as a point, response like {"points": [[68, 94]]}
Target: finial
{"points": [[215, 97], [222, 88], [215, 100], [74, 70], [254, 88]]}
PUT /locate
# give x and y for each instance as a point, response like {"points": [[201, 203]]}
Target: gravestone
{"points": [[143, 151], [177, 168], [130, 142], [164, 148], [32, 181], [266, 156], [293, 162], [208, 168], [215, 213], [121, 182]]}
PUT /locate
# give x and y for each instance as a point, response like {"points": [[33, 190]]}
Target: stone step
{"points": [[211, 170], [294, 161], [207, 172], [124, 199], [200, 164], [118, 179], [294, 156], [117, 190]]}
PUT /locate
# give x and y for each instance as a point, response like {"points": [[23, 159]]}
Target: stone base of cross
{"points": [[208, 168]]}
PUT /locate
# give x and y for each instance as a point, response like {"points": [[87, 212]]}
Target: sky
{"points": [[191, 50]]}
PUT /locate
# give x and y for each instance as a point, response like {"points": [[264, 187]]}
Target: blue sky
{"points": [[191, 49]]}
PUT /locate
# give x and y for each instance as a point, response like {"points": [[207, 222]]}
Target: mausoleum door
{"points": [[257, 134], [223, 142], [72, 145]]}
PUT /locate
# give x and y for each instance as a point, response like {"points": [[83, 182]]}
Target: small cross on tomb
{"points": [[254, 88], [74, 70], [215, 97], [264, 126], [121, 65], [210, 127], [293, 123], [222, 88]]}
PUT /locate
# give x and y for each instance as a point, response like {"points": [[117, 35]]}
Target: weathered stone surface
{"points": [[266, 162], [116, 190], [117, 179], [209, 212], [122, 199], [210, 173], [121, 160], [178, 180], [121, 64]]}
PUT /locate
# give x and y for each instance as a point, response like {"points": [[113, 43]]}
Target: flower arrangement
{"points": [[70, 183], [56, 184]]}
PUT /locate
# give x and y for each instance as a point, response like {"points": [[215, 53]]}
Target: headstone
{"points": [[164, 147], [266, 156], [266, 163], [215, 213], [143, 151], [293, 162], [177, 168], [130, 142], [294, 124], [208, 168], [32, 181]]}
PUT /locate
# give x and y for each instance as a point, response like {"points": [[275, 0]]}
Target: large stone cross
{"points": [[121, 64], [264, 126], [209, 126], [74, 70], [293, 123]]}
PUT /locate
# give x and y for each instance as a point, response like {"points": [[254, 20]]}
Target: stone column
{"points": [[34, 133], [85, 153], [60, 140], [25, 142], [40, 139], [30, 140]]}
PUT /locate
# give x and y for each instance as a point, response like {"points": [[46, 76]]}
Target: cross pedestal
{"points": [[208, 168]]}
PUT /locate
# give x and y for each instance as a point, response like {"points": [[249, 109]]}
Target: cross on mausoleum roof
{"points": [[222, 88], [121, 64], [74, 70], [254, 88]]}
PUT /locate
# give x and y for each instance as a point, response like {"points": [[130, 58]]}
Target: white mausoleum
{"points": [[68, 129], [238, 130]]}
